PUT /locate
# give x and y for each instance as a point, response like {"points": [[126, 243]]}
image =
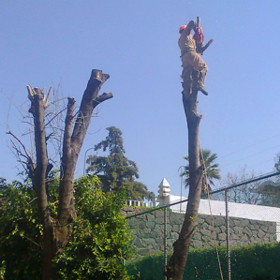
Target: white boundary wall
{"points": [[236, 210]]}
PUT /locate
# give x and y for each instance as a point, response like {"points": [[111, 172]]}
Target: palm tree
{"points": [[211, 171]]}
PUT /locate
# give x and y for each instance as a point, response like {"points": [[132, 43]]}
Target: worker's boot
{"points": [[200, 83], [202, 89]]}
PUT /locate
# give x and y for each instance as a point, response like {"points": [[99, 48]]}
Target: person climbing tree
{"points": [[191, 59], [174, 270]]}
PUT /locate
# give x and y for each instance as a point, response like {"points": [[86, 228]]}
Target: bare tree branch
{"points": [[54, 117], [105, 96], [28, 156]]}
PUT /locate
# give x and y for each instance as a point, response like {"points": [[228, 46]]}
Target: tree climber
{"points": [[191, 59]]}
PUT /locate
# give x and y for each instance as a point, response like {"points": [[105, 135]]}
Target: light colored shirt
{"points": [[186, 43]]}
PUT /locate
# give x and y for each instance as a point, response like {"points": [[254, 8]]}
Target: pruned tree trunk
{"points": [[72, 144], [38, 176], [57, 232], [176, 265]]}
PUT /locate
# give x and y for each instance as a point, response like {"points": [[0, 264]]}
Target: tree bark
{"points": [[71, 148], [38, 177], [176, 265], [56, 232]]}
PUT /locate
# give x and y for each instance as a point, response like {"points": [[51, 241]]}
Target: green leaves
{"points": [[210, 173], [20, 233], [99, 243], [101, 238]]}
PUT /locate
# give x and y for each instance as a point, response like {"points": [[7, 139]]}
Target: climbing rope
{"points": [[211, 214]]}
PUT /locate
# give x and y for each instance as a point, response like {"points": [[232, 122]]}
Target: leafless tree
{"points": [[57, 231], [247, 193]]}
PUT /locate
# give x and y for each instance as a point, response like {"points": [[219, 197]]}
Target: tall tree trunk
{"points": [[56, 233], [38, 177], [72, 144], [176, 265]]}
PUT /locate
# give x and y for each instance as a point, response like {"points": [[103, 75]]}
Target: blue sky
{"points": [[58, 43]]}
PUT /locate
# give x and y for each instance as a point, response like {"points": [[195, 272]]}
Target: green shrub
{"points": [[101, 240], [20, 233], [147, 268], [99, 244], [248, 263]]}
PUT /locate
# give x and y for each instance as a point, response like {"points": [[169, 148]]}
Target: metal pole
{"points": [[181, 187], [181, 193], [228, 237], [165, 240]]}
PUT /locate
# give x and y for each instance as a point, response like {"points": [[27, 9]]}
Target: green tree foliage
{"points": [[99, 244], [20, 232], [211, 171], [270, 190], [115, 171]]}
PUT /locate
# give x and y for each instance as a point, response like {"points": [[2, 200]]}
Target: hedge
{"points": [[257, 262]]}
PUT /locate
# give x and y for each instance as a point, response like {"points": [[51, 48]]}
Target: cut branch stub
{"points": [[97, 79], [32, 92], [99, 99], [89, 101]]}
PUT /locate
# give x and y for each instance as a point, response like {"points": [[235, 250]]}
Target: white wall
{"points": [[237, 210]]}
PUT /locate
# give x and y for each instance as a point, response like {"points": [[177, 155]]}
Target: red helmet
{"points": [[182, 28]]}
